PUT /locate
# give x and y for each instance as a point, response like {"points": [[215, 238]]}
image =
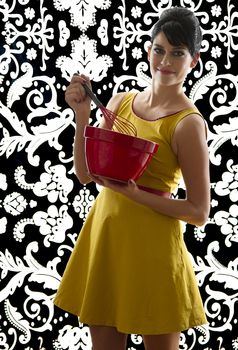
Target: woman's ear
{"points": [[195, 60], [149, 52]]}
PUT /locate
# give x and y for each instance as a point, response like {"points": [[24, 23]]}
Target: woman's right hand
{"points": [[76, 97]]}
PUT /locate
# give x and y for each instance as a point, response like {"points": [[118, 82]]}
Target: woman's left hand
{"points": [[128, 189]]}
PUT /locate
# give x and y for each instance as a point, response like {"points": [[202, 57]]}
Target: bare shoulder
{"points": [[115, 101], [192, 123], [189, 132]]}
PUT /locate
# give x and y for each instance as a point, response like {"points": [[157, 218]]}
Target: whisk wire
{"points": [[112, 119]]}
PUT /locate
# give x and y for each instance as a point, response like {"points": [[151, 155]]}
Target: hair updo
{"points": [[181, 27]]}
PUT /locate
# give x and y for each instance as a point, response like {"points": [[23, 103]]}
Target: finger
{"points": [[85, 77], [74, 95], [73, 99], [97, 179], [132, 184], [80, 78], [77, 86], [75, 91]]}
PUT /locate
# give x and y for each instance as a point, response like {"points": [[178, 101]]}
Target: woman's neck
{"points": [[166, 95]]}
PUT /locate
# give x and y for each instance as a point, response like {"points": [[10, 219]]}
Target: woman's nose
{"points": [[166, 61]]}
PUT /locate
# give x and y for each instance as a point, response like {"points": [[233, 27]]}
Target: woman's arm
{"points": [[79, 101], [190, 145]]}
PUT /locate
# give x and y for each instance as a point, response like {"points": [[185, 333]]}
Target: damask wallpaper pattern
{"points": [[42, 205]]}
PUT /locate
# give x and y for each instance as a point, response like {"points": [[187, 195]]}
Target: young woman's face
{"points": [[169, 65]]}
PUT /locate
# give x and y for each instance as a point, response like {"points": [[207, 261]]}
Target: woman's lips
{"points": [[165, 71]]}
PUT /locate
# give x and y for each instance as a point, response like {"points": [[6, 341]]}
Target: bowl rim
{"points": [[112, 136]]}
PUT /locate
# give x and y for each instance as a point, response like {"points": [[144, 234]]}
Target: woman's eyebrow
{"points": [[173, 47], [158, 45]]}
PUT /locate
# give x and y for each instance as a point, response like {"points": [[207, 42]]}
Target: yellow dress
{"points": [[130, 267]]}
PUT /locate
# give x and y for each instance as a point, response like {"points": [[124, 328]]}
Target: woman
{"points": [[130, 271]]}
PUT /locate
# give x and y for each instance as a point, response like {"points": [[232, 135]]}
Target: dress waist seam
{"points": [[155, 191]]}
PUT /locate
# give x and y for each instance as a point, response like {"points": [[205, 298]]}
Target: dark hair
{"points": [[181, 27]]}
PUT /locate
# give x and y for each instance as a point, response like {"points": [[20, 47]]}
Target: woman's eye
{"points": [[178, 53], [158, 51]]}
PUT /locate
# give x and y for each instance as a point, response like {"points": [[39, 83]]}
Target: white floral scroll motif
{"points": [[83, 202], [41, 340], [235, 344], [102, 32], [220, 309], [228, 222], [17, 321], [54, 183], [140, 79], [19, 86], [19, 228], [14, 203], [21, 324], [137, 53], [224, 30], [53, 224], [18, 270], [19, 177], [9, 143], [228, 185], [200, 233], [5, 60], [143, 79], [227, 131], [84, 59], [73, 338], [219, 272], [202, 86], [193, 336], [126, 33], [216, 11], [3, 225], [136, 339], [64, 33], [9, 58], [205, 334], [29, 13], [33, 309], [5, 341], [136, 12], [216, 52], [221, 87], [221, 301], [39, 33], [31, 54], [224, 132], [3, 182], [47, 131], [82, 12], [221, 99]]}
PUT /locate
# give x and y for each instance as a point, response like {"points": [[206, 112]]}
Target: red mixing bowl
{"points": [[116, 156]]}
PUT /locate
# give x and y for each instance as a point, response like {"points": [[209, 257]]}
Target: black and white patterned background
{"points": [[42, 205]]}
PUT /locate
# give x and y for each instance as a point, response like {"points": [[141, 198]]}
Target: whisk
{"points": [[112, 119]]}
